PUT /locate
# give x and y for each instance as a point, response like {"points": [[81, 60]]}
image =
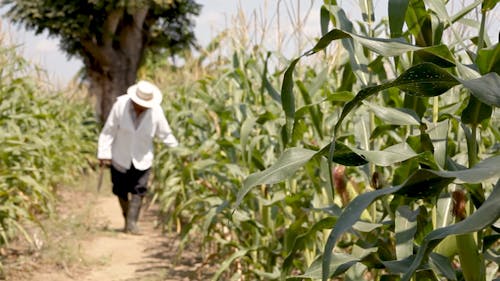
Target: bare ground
{"points": [[86, 243]]}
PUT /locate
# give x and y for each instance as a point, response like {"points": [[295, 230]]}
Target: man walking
{"points": [[126, 145]]}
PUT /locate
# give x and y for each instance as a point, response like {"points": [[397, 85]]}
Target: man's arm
{"points": [[163, 131]]}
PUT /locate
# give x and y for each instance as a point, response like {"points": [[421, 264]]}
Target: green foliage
{"points": [[112, 38], [168, 23], [350, 169], [46, 139], [431, 70]]}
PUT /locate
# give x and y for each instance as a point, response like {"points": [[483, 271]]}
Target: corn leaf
{"points": [[485, 88], [405, 227], [288, 163], [422, 183], [397, 13], [394, 116], [484, 216]]}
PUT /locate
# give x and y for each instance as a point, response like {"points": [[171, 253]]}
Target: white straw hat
{"points": [[145, 94]]}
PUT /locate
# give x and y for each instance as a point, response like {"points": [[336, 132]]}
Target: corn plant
{"points": [[196, 183], [46, 139], [425, 142], [383, 177]]}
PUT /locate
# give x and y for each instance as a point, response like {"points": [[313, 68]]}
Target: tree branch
{"points": [[131, 37], [96, 52], [110, 26], [140, 15]]}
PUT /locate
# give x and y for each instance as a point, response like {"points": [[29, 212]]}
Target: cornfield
{"points": [[47, 137], [371, 156], [409, 125]]}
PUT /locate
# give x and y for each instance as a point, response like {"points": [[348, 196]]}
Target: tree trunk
{"points": [[108, 86], [112, 61]]}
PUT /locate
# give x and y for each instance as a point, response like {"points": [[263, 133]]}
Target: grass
{"points": [[57, 239]]}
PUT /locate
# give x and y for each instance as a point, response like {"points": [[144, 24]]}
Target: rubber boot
{"points": [[124, 206], [134, 208]]}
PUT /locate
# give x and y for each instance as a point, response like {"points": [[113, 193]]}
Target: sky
{"points": [[216, 15]]}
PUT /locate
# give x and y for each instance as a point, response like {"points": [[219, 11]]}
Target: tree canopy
{"points": [[110, 36], [167, 23]]}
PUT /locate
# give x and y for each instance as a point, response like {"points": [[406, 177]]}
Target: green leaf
{"points": [[270, 89], [314, 111], [288, 98], [475, 112], [397, 13], [389, 156], [439, 262], [437, 32], [405, 227], [484, 170], [246, 128], [419, 182], [227, 262], [324, 20], [300, 242], [348, 78], [425, 80], [394, 116], [439, 55], [471, 259], [485, 88], [416, 15], [428, 184], [363, 94], [366, 226], [289, 162], [325, 40], [268, 275], [415, 104], [338, 264], [443, 265], [343, 155], [439, 8], [382, 46], [348, 217], [488, 59], [319, 81], [275, 198], [340, 96], [383, 129], [489, 4], [398, 266], [438, 132], [483, 217]]}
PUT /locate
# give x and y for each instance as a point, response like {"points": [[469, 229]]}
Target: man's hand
{"points": [[104, 162]]}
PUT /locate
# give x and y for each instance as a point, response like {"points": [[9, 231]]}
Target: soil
{"points": [[87, 243]]}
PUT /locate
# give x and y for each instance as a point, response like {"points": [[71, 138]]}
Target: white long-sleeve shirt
{"points": [[125, 143]]}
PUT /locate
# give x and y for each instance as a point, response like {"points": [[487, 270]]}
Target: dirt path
{"points": [[119, 256], [104, 252], [125, 256]]}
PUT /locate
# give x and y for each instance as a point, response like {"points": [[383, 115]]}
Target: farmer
{"points": [[126, 145]]}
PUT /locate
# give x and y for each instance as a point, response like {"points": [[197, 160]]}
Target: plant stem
{"points": [[472, 146], [471, 258], [435, 109]]}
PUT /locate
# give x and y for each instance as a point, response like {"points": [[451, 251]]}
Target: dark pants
{"points": [[133, 181]]}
